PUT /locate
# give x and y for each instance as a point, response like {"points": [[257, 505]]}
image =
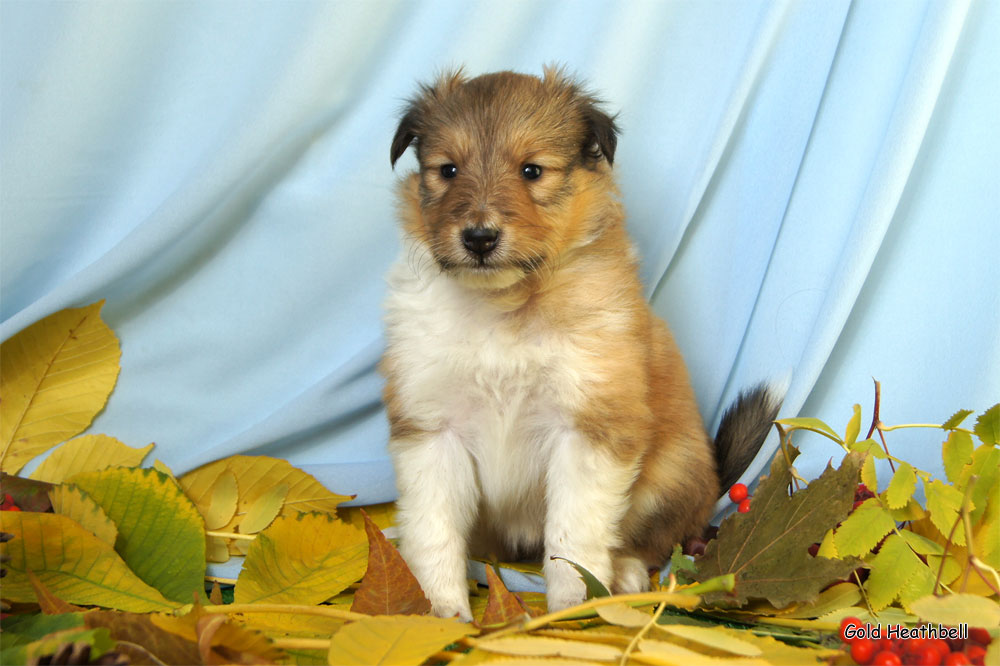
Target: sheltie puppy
{"points": [[537, 406]]}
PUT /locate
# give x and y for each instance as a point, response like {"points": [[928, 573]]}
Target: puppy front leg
{"points": [[586, 498], [438, 500]]}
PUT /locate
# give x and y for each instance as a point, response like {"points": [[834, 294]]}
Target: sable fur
{"points": [[536, 404]]}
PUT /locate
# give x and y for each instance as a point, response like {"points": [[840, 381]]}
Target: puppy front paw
{"points": [[563, 587], [451, 605]]}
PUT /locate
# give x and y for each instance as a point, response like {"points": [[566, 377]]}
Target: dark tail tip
{"points": [[744, 427]]}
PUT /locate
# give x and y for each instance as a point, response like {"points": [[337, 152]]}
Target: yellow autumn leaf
{"points": [[712, 637], [541, 646], [55, 376], [623, 616], [255, 476], [841, 595], [70, 501], [88, 454], [383, 515], [222, 501], [264, 510], [73, 564], [398, 640], [304, 559], [216, 549], [958, 609]]}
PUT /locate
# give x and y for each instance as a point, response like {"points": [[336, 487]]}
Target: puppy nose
{"points": [[479, 240]]}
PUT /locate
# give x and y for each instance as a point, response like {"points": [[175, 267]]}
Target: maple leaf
{"points": [[389, 587], [502, 605], [767, 548]]}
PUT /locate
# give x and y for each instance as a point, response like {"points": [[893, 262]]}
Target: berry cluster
{"points": [[8, 504], [740, 496], [918, 651]]}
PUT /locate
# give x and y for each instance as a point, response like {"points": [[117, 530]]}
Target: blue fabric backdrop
{"points": [[812, 186]]}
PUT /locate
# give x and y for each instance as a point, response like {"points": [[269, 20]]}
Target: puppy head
{"points": [[514, 171]]}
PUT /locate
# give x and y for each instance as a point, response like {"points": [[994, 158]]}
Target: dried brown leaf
{"points": [[389, 587]]}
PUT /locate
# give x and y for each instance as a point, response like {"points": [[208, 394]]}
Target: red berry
{"points": [[848, 622], [914, 645], [975, 653], [863, 650], [980, 635], [12, 508], [814, 549], [928, 656], [887, 658], [738, 493], [744, 506], [956, 659], [941, 645]]}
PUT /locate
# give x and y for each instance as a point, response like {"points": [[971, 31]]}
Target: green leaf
{"points": [[958, 609], [595, 588], [161, 535], [956, 453], [956, 419], [872, 447], [863, 529], [767, 548], [811, 424], [901, 488], [681, 565], [985, 466], [988, 425], [853, 427], [868, 476], [891, 569], [74, 564], [28, 638], [943, 503]]}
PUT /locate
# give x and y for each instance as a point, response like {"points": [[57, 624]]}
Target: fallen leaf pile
{"points": [[105, 561]]}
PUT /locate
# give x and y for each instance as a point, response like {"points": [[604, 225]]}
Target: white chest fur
{"points": [[504, 386]]}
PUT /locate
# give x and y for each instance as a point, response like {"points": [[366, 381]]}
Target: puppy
{"points": [[536, 405]]}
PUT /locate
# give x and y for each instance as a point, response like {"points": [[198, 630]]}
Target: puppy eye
{"points": [[449, 171], [531, 172]]}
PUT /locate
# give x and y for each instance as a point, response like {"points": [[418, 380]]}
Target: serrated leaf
{"points": [[71, 562], [767, 548], [988, 425], [55, 376], [828, 547], [985, 466], [813, 425], [541, 646], [956, 453], [398, 640], [70, 501], [891, 570], [868, 475], [255, 476], [958, 609], [88, 454], [911, 511], [956, 419], [863, 529], [161, 536], [943, 504], [901, 488], [853, 427], [221, 501], [304, 559], [389, 587], [262, 511], [502, 605]]}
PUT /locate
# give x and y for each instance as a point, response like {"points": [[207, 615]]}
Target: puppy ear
{"points": [[405, 134], [602, 134]]}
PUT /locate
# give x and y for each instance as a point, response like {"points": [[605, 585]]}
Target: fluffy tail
{"points": [[744, 427]]}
